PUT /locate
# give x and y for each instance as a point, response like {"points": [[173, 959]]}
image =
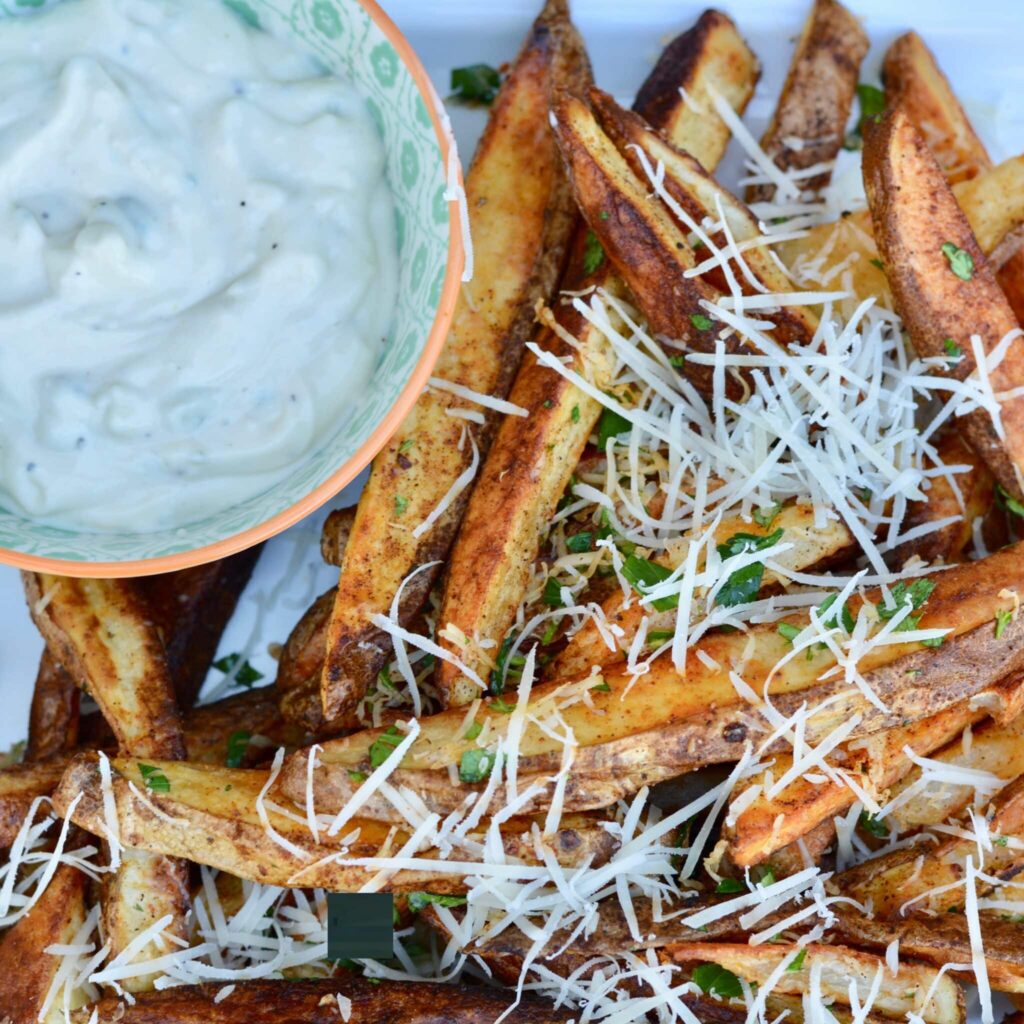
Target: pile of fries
{"points": [[675, 670]]}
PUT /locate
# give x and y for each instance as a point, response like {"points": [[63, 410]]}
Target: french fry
{"points": [[533, 457], [811, 545], [20, 784], [28, 971], [521, 215], [53, 716], [209, 815], [315, 1001], [905, 882], [335, 533], [633, 731], [920, 230], [915, 988], [809, 122]]}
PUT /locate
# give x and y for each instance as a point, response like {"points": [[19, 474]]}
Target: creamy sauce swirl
{"points": [[198, 261]]}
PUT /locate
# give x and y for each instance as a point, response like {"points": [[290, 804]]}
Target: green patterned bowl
{"points": [[356, 38]]}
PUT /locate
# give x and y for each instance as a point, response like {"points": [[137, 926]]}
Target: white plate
{"points": [[977, 43]]}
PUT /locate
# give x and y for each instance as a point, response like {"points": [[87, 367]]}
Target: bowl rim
{"points": [[347, 472]]}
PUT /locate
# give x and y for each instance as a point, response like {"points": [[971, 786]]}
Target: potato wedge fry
{"points": [[636, 731], [944, 939], [209, 815], [809, 122], [521, 215], [335, 533], [28, 971], [533, 457], [53, 717], [20, 784], [314, 1001], [875, 762], [812, 545], [972, 497], [917, 225], [100, 632], [903, 882], [915, 988]]}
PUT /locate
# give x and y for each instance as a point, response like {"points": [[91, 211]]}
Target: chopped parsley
{"points": [[575, 414], [877, 263], [961, 262], [419, 900], [871, 100], [743, 584], [552, 594], [701, 322], [828, 614], [953, 350], [642, 574], [766, 516], [475, 83], [593, 253], [1005, 500], [716, 980], [600, 688], [726, 885], [788, 631], [244, 675], [873, 825], [798, 961], [916, 595], [476, 765], [382, 747], [1004, 616], [238, 744], [504, 666], [154, 779], [355, 776], [580, 542], [611, 424], [474, 730], [401, 504], [406, 445], [501, 707]]}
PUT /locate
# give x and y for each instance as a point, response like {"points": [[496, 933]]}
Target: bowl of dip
{"points": [[230, 256]]}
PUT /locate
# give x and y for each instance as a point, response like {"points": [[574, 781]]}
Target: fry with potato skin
{"points": [[915, 216], [208, 815], [816, 99], [634, 731], [533, 457], [53, 716], [521, 218], [20, 784]]}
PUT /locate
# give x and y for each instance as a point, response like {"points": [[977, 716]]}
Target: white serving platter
{"points": [[979, 44]]}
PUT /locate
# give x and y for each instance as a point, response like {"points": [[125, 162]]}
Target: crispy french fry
{"points": [[209, 815], [335, 533], [972, 497], [915, 988], [812, 545], [533, 457], [302, 657], [314, 1001], [521, 215], [905, 882], [916, 220], [27, 970], [53, 717], [809, 122], [20, 784], [635, 731]]}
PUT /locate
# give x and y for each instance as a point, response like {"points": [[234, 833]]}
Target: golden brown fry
{"points": [[635, 731], [314, 1001], [812, 545], [25, 967], [533, 457], [100, 632], [921, 231], [915, 987], [335, 533], [809, 122], [20, 784], [905, 882], [521, 217], [53, 717], [972, 497], [209, 816]]}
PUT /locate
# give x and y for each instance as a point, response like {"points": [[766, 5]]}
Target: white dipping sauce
{"points": [[198, 261]]}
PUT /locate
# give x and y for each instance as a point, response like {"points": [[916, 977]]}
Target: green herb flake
{"points": [[580, 542], [677, 361], [575, 414], [238, 744], [355, 776], [1001, 841], [961, 262], [798, 961], [604, 215], [743, 584], [1004, 616], [953, 350], [701, 322], [660, 636], [383, 745], [600, 688], [475, 83], [764, 517], [593, 253], [873, 825], [154, 779], [788, 631], [244, 675], [474, 730], [877, 263], [476, 765], [419, 900], [502, 707], [872, 103], [642, 574], [611, 424], [552, 593], [406, 445], [727, 885], [1005, 500], [716, 980], [401, 504], [828, 615]]}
